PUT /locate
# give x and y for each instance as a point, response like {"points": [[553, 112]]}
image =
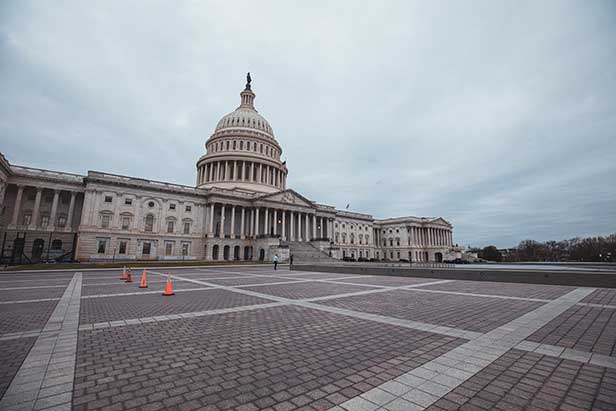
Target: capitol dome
{"points": [[243, 153]]}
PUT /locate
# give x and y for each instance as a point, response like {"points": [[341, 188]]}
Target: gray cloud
{"points": [[501, 117]]}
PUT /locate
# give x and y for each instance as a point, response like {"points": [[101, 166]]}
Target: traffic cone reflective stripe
{"points": [[168, 287], [124, 274], [144, 283]]}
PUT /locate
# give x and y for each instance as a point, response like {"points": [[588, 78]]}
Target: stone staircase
{"points": [[304, 252]]}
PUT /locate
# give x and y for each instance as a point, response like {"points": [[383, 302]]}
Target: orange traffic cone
{"points": [[124, 274], [144, 283], [168, 288], [128, 279]]}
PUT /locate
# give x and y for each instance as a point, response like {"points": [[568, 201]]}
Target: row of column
{"points": [[428, 236], [34, 221], [290, 225], [239, 170]]}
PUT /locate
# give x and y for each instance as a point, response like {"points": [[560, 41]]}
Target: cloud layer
{"points": [[500, 117]]}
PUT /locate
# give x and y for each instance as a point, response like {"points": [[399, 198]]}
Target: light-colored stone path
{"points": [[38, 300], [568, 353], [421, 387], [45, 379]]}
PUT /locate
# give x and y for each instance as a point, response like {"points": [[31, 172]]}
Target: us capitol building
{"points": [[239, 209]]}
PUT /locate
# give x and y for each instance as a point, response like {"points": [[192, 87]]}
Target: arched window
{"points": [[149, 223], [241, 145], [234, 144]]}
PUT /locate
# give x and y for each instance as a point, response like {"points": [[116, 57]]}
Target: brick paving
{"points": [[154, 283], [245, 280], [548, 292], [283, 357], [306, 289], [12, 354], [581, 328], [520, 380], [337, 341], [603, 296], [388, 281], [97, 310], [23, 317], [31, 294], [469, 313]]}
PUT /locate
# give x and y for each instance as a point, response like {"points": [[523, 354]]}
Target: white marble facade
{"points": [[239, 209]]}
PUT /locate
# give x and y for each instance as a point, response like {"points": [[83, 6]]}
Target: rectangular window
{"points": [[27, 219], [122, 247], [44, 220], [171, 206], [186, 228], [61, 221], [185, 249], [146, 248], [105, 221], [168, 248], [128, 201], [125, 223], [101, 245], [188, 208], [170, 226], [108, 199]]}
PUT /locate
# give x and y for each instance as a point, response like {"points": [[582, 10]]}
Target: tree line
{"points": [[589, 249]]}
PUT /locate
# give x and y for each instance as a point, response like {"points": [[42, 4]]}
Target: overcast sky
{"points": [[499, 116]]}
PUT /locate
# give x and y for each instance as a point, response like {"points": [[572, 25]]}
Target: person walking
{"points": [[291, 259], [276, 262]]}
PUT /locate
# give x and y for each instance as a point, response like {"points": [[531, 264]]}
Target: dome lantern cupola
{"points": [[243, 153]]}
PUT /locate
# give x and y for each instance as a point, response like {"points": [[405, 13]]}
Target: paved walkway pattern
{"points": [[248, 338]]}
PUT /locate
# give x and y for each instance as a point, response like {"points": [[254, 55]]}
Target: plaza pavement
{"points": [[250, 338]]}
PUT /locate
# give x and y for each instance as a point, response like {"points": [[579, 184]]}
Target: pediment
{"points": [[288, 197], [441, 221]]}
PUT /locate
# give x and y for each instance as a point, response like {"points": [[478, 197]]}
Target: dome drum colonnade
{"points": [[242, 152]]}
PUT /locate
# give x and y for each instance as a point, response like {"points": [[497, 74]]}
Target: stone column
{"points": [[291, 226], [37, 207], [210, 229], [234, 170], [71, 210], [222, 222], [232, 221], [256, 222], [242, 234], [251, 226], [20, 192], [3, 188], [275, 222], [306, 231], [266, 223], [327, 229], [54, 208], [260, 178], [284, 223], [314, 226]]}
